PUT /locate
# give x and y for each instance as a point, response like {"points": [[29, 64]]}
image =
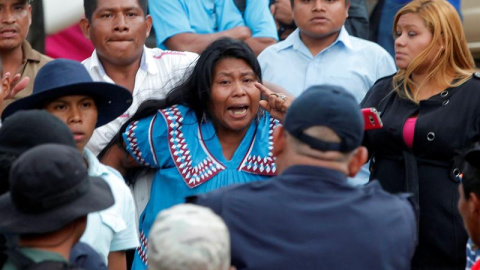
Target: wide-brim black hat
{"points": [[50, 188], [62, 77]]}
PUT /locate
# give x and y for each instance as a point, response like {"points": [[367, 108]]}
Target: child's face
{"points": [[79, 113]]}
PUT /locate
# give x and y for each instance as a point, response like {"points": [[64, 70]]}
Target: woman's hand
{"points": [[275, 103]]}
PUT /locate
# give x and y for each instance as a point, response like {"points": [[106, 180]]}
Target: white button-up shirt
{"points": [[159, 72]]}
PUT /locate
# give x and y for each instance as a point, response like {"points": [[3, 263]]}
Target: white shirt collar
{"points": [[293, 40], [147, 64]]}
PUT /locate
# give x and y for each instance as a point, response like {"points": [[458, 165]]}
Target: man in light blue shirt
{"points": [[321, 51], [191, 25]]}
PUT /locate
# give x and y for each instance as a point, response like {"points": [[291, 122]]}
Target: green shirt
{"points": [[36, 255]]}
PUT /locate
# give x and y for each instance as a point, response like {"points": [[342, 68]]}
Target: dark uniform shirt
{"points": [[310, 218]]}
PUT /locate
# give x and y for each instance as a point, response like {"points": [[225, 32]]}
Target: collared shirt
{"points": [[112, 229], [473, 254], [350, 62], [36, 255], [172, 17], [159, 72], [32, 62]]}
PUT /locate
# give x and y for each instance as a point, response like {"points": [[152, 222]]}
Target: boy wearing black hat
{"points": [[47, 206], [21, 132], [65, 89], [309, 217]]}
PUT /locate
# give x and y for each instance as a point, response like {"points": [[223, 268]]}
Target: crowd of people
{"points": [[240, 141]]}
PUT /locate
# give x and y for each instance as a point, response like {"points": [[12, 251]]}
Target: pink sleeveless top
{"points": [[409, 130]]}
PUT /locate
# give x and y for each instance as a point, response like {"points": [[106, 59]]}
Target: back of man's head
{"points": [[326, 118], [188, 237], [90, 6], [325, 128]]}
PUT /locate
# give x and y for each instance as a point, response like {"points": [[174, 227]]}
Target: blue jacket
{"points": [[310, 218]]}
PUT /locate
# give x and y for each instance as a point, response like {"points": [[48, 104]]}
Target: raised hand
{"points": [[275, 103]]}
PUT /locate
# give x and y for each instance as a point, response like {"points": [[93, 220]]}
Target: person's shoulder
{"points": [[375, 191], [175, 60], [383, 85], [218, 198], [366, 46], [159, 54], [111, 176], [273, 50], [45, 58], [380, 89], [386, 80], [114, 179]]}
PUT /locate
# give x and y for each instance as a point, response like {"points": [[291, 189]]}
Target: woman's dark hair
{"points": [[195, 91]]}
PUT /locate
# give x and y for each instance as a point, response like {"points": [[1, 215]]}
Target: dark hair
{"points": [[195, 91], [90, 5], [469, 161], [470, 180]]}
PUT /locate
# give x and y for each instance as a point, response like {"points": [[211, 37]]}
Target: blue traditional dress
{"points": [[189, 160]]}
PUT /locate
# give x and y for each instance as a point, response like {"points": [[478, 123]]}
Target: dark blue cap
{"points": [[329, 106]]}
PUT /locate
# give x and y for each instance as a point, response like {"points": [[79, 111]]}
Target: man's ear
{"points": [[149, 22], [474, 204], [348, 8], [357, 161], [29, 14], [279, 140], [85, 26]]}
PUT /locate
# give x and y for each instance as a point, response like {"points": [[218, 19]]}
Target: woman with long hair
{"points": [[210, 131], [430, 110]]}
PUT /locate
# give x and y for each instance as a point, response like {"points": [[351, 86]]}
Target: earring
{"points": [[260, 114], [204, 118]]}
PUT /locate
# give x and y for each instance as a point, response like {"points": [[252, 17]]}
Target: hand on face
{"points": [[275, 103]]}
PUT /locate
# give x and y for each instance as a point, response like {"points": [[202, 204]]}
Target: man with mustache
{"points": [[18, 57]]}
